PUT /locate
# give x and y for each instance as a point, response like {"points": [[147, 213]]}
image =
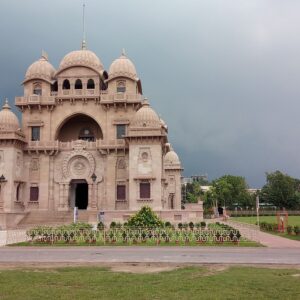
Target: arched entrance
{"points": [[79, 195], [79, 127]]}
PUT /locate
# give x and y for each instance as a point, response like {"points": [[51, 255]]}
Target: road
{"points": [[190, 255]]}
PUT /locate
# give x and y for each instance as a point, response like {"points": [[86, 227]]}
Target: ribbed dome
{"points": [[8, 120], [40, 69], [123, 67], [80, 58], [145, 117], [171, 159]]}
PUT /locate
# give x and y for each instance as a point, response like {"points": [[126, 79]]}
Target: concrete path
{"points": [[106, 254], [253, 233]]}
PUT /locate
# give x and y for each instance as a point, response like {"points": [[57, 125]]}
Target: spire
{"points": [[123, 52], [83, 44], [6, 105], [44, 55]]}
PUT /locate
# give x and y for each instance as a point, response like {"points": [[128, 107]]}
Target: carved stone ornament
{"points": [[79, 164], [34, 164]]}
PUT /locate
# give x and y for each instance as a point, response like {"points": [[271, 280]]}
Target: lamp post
{"points": [[94, 178]]}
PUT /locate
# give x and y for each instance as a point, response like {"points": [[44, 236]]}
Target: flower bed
{"points": [[126, 235]]}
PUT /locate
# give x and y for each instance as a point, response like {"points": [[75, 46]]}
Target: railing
{"points": [[35, 99], [57, 145], [262, 212], [132, 236], [121, 97]]}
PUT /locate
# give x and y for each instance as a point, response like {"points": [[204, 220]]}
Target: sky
{"points": [[223, 74]]}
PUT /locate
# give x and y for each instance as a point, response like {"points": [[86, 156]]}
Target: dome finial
{"points": [[83, 44], [45, 55], [123, 52], [6, 105]]}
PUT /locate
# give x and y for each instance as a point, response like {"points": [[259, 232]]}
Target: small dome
{"points": [[122, 67], [145, 117], [8, 120], [78, 58], [40, 69], [171, 159], [163, 124]]}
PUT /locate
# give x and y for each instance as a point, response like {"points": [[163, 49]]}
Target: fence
{"points": [[134, 236], [252, 213]]}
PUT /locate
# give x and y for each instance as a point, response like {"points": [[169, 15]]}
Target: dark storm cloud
{"points": [[224, 75]]}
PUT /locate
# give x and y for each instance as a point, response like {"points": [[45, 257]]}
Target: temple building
{"points": [[88, 139]]}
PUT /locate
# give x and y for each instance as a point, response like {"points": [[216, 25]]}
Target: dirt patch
{"points": [[209, 269]]}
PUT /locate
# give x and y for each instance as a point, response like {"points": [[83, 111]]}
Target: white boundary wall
{"points": [[12, 236]]}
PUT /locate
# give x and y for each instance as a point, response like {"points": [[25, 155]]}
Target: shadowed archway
{"points": [[79, 127]]}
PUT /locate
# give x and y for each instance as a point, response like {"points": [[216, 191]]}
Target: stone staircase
{"points": [[52, 218]]}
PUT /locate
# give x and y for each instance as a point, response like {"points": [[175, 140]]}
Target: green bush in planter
{"points": [[289, 229], [297, 230], [180, 226], [191, 225], [145, 217], [100, 226], [203, 224], [113, 224], [168, 224]]}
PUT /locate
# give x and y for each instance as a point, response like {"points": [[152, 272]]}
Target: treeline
{"points": [[280, 190]]}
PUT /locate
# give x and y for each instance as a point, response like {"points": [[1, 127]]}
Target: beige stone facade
{"points": [[88, 139]]}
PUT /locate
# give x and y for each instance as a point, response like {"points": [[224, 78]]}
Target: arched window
{"points": [[121, 86], [66, 84], [37, 89], [78, 84], [54, 87], [86, 134], [18, 192], [90, 84]]}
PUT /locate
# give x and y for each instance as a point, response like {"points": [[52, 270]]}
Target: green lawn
{"points": [[292, 220], [188, 283]]}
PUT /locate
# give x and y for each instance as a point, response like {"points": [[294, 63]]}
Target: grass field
{"points": [[292, 220], [188, 283]]}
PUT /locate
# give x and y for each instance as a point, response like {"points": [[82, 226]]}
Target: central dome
{"points": [[79, 58]]}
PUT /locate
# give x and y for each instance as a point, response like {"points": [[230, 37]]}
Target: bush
{"points": [[289, 229], [191, 225], [100, 226], [203, 224], [145, 218], [168, 224], [297, 230], [113, 224], [180, 226]]}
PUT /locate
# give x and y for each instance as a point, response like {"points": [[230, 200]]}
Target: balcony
{"points": [[50, 146], [121, 98], [35, 100]]}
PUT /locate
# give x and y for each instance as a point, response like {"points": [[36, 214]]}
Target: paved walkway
{"points": [[270, 240], [140, 254]]}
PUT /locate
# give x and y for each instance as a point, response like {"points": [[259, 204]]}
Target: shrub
{"points": [[191, 225], [113, 224], [100, 226], [180, 226], [168, 224], [145, 218], [297, 230], [203, 224], [289, 229]]}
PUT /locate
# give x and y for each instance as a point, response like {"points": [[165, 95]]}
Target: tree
{"points": [[192, 191], [229, 191], [281, 190]]}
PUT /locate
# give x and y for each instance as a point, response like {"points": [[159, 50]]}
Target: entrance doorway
{"points": [[79, 194]]}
